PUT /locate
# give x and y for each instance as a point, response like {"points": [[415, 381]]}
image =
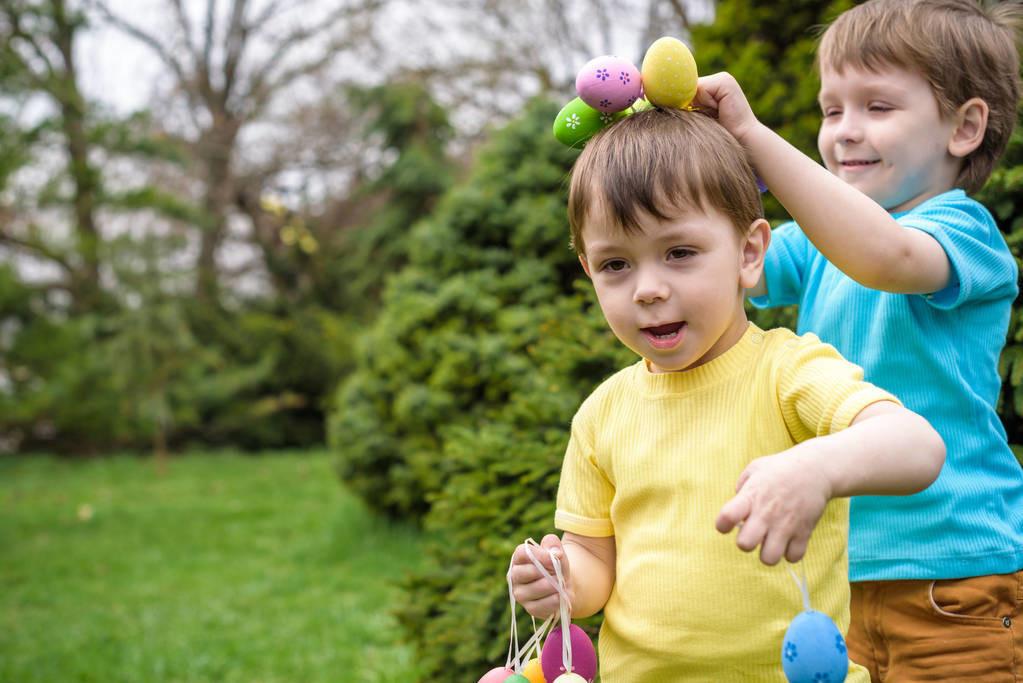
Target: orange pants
{"points": [[968, 630]]}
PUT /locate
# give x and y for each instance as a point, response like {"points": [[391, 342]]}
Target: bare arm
{"points": [[850, 229], [593, 562], [887, 450]]}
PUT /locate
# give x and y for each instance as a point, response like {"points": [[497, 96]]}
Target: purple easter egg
{"points": [[584, 658], [609, 84]]}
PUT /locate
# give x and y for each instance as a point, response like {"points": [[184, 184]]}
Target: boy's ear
{"points": [[971, 125], [754, 247], [586, 266]]}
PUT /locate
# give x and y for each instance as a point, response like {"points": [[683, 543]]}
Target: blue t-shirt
{"points": [[939, 354]]}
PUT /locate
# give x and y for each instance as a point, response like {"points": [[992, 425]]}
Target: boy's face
{"points": [[674, 293], [883, 133]]}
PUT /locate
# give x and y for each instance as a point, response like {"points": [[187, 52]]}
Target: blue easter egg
{"points": [[813, 650]]}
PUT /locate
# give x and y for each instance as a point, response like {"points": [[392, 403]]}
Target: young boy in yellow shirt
{"points": [[892, 262], [720, 425]]}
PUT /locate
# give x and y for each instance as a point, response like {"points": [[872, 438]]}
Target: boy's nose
{"points": [[650, 289], [849, 129]]}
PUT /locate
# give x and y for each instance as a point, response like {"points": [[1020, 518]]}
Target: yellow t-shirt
{"points": [[652, 459]]}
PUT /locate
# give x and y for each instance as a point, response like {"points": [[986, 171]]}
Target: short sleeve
{"points": [[820, 392], [981, 265], [785, 267], [584, 493]]}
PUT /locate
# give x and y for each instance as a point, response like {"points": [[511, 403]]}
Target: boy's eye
{"points": [[614, 265], [880, 107], [680, 253], [831, 111]]}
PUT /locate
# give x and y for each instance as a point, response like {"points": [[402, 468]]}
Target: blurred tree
{"points": [[411, 131], [229, 71], [484, 60], [37, 40]]}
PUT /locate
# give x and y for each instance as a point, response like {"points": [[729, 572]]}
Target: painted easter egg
{"points": [[669, 73], [609, 84], [516, 678], [577, 122], [584, 658], [497, 675], [570, 678], [641, 105], [814, 650], [533, 671]]}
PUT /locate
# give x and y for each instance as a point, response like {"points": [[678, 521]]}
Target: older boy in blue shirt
{"points": [[892, 263]]}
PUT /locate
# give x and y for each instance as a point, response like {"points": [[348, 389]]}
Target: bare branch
{"points": [[263, 79], [36, 248], [268, 13], [207, 41], [21, 34], [237, 35], [185, 24], [150, 41]]}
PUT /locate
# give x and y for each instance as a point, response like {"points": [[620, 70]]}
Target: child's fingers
{"points": [[773, 548], [521, 557], [744, 477], [796, 548], [541, 609], [523, 573], [733, 513], [538, 590], [552, 544], [751, 534]]}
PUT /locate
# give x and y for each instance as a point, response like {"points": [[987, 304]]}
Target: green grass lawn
{"points": [[225, 568]]}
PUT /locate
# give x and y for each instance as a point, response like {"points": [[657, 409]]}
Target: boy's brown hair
{"points": [[662, 161], [960, 47]]}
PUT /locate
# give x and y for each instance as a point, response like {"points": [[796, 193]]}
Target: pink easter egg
{"points": [[609, 84], [584, 658], [498, 675]]}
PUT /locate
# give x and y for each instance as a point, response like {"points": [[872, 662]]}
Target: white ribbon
{"points": [[565, 603]]}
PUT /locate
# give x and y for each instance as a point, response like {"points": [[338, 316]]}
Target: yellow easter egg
{"points": [[534, 672], [669, 73]]}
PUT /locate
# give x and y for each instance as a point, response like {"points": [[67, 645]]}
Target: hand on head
{"points": [[720, 95], [537, 593]]}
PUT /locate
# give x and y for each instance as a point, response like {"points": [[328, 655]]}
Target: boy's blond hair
{"points": [[662, 161], [960, 47]]}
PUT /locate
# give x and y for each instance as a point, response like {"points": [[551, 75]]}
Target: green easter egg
{"points": [[641, 105], [517, 678], [577, 122]]}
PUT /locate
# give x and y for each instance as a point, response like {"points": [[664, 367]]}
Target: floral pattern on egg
{"points": [[609, 84]]}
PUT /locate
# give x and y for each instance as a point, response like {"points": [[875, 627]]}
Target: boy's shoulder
{"points": [[781, 340], [787, 351], [610, 389], [953, 208]]}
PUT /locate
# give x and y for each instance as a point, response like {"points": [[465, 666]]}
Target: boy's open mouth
{"points": [[664, 336], [858, 163]]}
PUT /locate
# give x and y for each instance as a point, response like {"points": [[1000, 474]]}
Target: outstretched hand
{"points": [[537, 593], [778, 501]]}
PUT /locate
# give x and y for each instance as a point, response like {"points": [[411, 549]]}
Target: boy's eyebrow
{"points": [[675, 233], [869, 90]]}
